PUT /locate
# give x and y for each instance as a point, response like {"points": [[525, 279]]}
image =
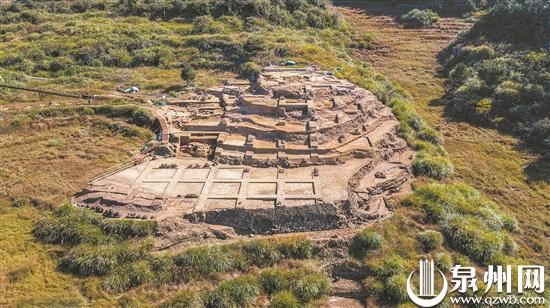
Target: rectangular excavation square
{"points": [[298, 173], [229, 173], [224, 189], [188, 188], [195, 174], [218, 204], [263, 173], [263, 188], [258, 204], [154, 187], [160, 174], [299, 188], [127, 175], [299, 202]]}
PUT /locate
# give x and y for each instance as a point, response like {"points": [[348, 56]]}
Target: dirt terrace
{"points": [[297, 141]]}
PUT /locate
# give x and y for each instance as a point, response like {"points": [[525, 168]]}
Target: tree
{"points": [[188, 73]]}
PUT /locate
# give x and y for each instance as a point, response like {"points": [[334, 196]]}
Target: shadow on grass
{"points": [[539, 170], [395, 9]]}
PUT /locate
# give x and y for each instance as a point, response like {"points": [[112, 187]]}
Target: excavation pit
{"points": [[298, 150]]}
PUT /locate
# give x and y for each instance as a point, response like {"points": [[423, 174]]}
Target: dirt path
{"points": [[490, 161]]}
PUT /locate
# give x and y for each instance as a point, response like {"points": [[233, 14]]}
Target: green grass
{"points": [[29, 268], [364, 242], [494, 163]]}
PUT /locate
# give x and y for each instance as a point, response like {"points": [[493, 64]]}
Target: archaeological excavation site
{"points": [[296, 150]]}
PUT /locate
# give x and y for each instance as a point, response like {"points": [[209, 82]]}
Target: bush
{"points": [[70, 226], [260, 253], [460, 73], [510, 223], [395, 288], [311, 287], [391, 266], [129, 228], [188, 73], [468, 220], [274, 280], [419, 18], [205, 261], [237, 292], [364, 242], [470, 237], [88, 260], [284, 299], [443, 262], [430, 240], [296, 248], [249, 69], [437, 167], [128, 276]]}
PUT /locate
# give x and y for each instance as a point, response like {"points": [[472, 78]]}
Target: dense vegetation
{"points": [[499, 71], [60, 42], [416, 18], [121, 252], [199, 35], [57, 42], [469, 221], [452, 224]]}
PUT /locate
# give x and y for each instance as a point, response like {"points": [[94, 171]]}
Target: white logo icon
{"points": [[427, 297]]}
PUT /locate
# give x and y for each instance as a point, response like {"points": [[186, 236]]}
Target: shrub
{"points": [[391, 266], [274, 280], [468, 220], [296, 248], [88, 260], [472, 54], [470, 237], [260, 253], [128, 276], [430, 239], [364, 242], [61, 64], [254, 44], [205, 261], [437, 167], [419, 18], [184, 299], [460, 73], [284, 299], [510, 223], [429, 134], [71, 226], [188, 73], [128, 228], [443, 262], [395, 288], [311, 287], [249, 69], [237, 292]]}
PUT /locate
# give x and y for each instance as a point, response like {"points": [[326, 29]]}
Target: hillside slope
{"points": [[491, 161]]}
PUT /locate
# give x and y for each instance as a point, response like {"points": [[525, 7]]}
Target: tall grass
{"points": [[119, 251], [470, 222]]}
